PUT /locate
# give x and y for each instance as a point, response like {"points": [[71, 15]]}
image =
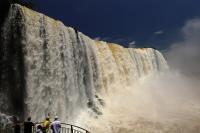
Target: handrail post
{"points": [[71, 129]]}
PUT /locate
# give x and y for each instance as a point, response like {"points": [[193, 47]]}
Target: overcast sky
{"points": [[147, 23]]}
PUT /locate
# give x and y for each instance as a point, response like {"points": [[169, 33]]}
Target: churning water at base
{"points": [[158, 103], [48, 67]]}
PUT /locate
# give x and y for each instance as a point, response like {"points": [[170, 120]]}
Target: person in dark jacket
{"points": [[28, 126]]}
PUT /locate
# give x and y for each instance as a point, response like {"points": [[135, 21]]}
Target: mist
{"points": [[163, 102], [184, 56]]}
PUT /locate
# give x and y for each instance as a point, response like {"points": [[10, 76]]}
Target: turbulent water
{"points": [[46, 67]]}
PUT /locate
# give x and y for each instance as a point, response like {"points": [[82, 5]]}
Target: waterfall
{"points": [[46, 67]]}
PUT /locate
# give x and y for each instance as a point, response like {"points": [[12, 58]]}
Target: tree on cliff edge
{"points": [[4, 7]]}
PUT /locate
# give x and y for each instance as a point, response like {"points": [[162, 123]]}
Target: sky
{"points": [[138, 23]]}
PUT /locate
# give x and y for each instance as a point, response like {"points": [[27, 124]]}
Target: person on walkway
{"points": [[55, 125], [16, 125], [46, 125], [39, 128], [28, 126]]}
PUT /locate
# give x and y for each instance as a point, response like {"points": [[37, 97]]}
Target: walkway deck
{"points": [[65, 128]]}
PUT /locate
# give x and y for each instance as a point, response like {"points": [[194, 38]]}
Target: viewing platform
{"points": [[65, 128]]}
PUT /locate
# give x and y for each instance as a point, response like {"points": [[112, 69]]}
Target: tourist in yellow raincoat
{"points": [[46, 124]]}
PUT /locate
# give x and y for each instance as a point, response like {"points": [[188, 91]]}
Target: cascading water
{"points": [[46, 67], [59, 66]]}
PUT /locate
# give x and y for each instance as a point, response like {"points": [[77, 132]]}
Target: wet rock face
{"points": [[48, 67], [4, 8], [11, 66]]}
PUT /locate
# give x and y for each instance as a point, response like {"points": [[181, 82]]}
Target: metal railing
{"points": [[6, 129], [65, 128]]}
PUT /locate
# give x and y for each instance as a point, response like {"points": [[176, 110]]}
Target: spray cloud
{"points": [[160, 102]]}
